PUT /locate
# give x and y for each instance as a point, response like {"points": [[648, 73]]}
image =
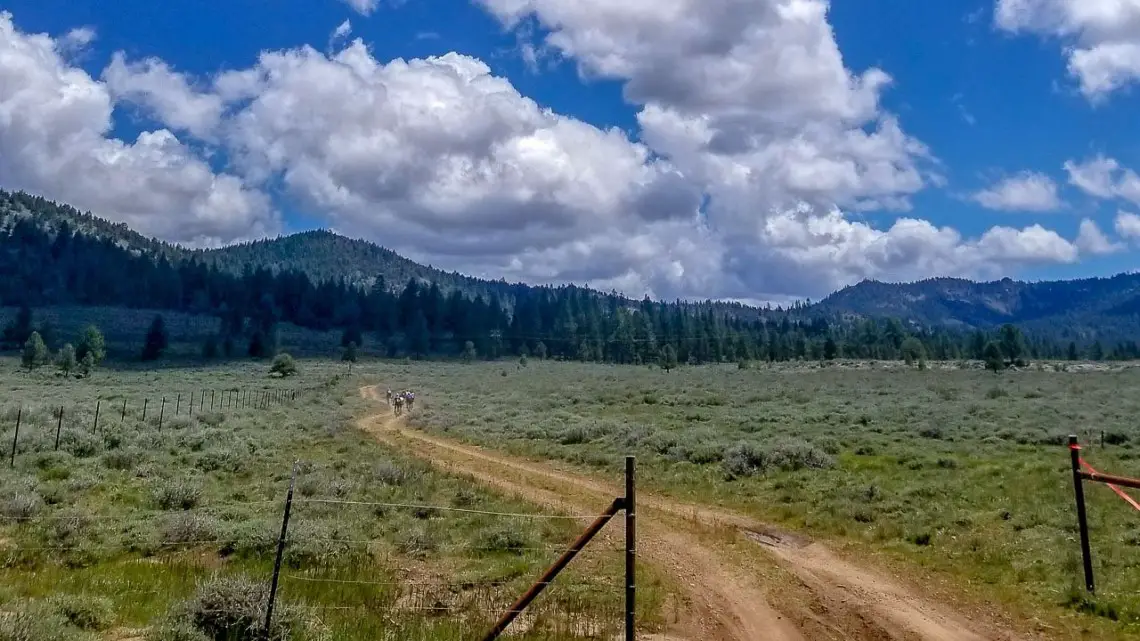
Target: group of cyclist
{"points": [[398, 400]]}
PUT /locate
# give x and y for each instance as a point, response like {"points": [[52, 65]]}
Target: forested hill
{"points": [[325, 256], [1083, 309], [54, 255]]}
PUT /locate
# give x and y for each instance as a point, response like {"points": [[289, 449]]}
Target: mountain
{"points": [[1078, 309], [321, 280]]}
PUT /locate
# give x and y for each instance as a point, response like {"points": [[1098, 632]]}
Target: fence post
{"points": [[212, 400], [145, 402], [16, 438], [58, 428], [280, 550], [630, 547], [95, 425], [161, 413], [1082, 521], [178, 404], [190, 408], [202, 401], [123, 417]]}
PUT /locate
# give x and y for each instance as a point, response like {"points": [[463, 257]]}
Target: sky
{"points": [[751, 150]]}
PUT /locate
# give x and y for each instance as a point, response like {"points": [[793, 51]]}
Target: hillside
{"points": [[53, 255], [1084, 308]]}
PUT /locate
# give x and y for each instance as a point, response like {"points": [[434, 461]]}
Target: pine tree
{"points": [[35, 352], [830, 349], [65, 360], [993, 357], [468, 354], [20, 329], [156, 340], [1072, 355], [419, 337], [92, 349], [349, 355], [210, 348]]}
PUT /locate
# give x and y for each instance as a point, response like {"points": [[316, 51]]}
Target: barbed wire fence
{"points": [[396, 589]]}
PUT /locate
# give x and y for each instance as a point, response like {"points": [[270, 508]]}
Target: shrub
{"points": [[187, 527], [283, 365], [503, 538], [122, 459], [1115, 438], [389, 473], [233, 608], [176, 494], [20, 505], [80, 444], [416, 541], [746, 459], [31, 623], [84, 611]]}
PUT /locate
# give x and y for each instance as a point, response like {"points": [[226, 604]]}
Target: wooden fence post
{"points": [[1082, 521]]}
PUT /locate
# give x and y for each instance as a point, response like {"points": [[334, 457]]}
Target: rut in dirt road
{"points": [[799, 592]]}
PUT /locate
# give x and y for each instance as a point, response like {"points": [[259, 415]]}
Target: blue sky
{"points": [[512, 169]]}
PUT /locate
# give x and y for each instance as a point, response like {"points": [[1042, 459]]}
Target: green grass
{"points": [[151, 528], [960, 472]]}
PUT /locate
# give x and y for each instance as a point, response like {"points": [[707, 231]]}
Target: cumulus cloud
{"points": [[1091, 240], [363, 7], [1104, 178], [55, 140], [755, 141], [1128, 226], [164, 93], [1100, 38], [1027, 191]]}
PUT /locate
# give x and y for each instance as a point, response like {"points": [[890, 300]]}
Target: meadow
{"points": [[132, 530], [957, 477]]}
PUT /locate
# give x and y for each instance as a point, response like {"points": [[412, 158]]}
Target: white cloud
{"points": [[1101, 38], [1128, 226], [163, 93], [341, 32], [756, 138], [363, 7], [1091, 240], [76, 40], [54, 140], [1104, 178], [1027, 191]]}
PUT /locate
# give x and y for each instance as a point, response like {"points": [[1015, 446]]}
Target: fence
{"points": [[307, 584], [1082, 471], [212, 400]]}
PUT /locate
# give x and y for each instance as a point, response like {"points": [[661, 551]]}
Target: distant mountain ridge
{"points": [[1082, 309]]}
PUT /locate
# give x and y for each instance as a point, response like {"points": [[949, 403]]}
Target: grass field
{"points": [[961, 473], [132, 531]]}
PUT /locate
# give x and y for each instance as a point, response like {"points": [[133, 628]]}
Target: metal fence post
{"points": [[190, 407], [212, 400], [161, 413], [280, 550], [145, 402], [95, 425], [178, 404], [202, 401], [630, 547], [16, 438], [123, 416], [1082, 521]]}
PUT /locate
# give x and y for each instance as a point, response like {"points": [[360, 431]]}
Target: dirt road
{"points": [[742, 580]]}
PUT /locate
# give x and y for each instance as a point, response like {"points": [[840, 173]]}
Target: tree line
{"points": [[56, 266]]}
